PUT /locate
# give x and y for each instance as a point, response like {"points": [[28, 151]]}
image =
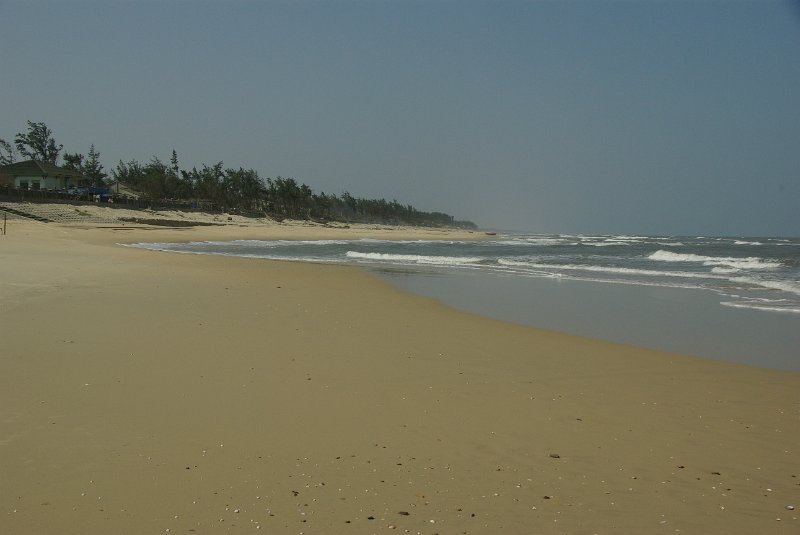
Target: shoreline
{"points": [[681, 319], [148, 392], [687, 321]]}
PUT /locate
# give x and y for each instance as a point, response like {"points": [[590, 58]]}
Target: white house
{"points": [[33, 174]]}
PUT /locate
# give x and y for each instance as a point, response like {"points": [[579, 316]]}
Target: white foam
{"points": [[603, 269], [415, 259], [532, 241], [725, 270], [751, 262], [784, 286], [151, 246], [757, 306], [739, 242], [281, 243], [604, 241]]}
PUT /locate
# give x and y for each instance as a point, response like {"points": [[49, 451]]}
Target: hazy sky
{"points": [[667, 117]]}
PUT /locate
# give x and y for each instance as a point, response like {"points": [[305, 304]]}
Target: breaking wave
{"points": [[603, 269], [751, 262], [415, 259]]}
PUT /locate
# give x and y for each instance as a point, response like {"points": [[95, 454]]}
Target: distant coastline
{"points": [[30, 169], [64, 208]]}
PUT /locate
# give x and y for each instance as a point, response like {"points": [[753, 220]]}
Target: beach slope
{"points": [[148, 392]]}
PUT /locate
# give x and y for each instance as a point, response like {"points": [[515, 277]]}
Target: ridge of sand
{"points": [[147, 392], [103, 215]]}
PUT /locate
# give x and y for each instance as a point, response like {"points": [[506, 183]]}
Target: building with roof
{"points": [[33, 174], [120, 189]]}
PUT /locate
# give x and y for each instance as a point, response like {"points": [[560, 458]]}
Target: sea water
{"points": [[735, 299]]}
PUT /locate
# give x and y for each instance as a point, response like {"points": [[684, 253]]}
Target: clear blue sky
{"points": [[667, 117]]}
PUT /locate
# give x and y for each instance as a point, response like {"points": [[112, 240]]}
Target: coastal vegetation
{"points": [[219, 187]]}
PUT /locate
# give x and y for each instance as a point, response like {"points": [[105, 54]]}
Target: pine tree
{"points": [[93, 170], [74, 162], [8, 154], [38, 143], [174, 164]]}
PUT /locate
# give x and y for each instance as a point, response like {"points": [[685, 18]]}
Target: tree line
{"points": [[220, 187]]}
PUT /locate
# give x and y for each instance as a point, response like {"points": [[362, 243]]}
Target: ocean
{"points": [[727, 298]]}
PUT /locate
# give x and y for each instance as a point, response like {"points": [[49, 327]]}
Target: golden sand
{"points": [[145, 392]]}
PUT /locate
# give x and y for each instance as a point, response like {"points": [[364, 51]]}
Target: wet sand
{"points": [[146, 392], [677, 320]]}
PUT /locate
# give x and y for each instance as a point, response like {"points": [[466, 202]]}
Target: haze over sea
{"points": [[734, 299]]}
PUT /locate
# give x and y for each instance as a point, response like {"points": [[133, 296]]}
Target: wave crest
{"points": [[750, 262], [415, 259]]}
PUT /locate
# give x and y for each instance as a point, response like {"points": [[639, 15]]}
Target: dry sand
{"points": [[145, 393]]}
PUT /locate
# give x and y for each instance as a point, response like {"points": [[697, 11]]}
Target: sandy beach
{"points": [[149, 392]]}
